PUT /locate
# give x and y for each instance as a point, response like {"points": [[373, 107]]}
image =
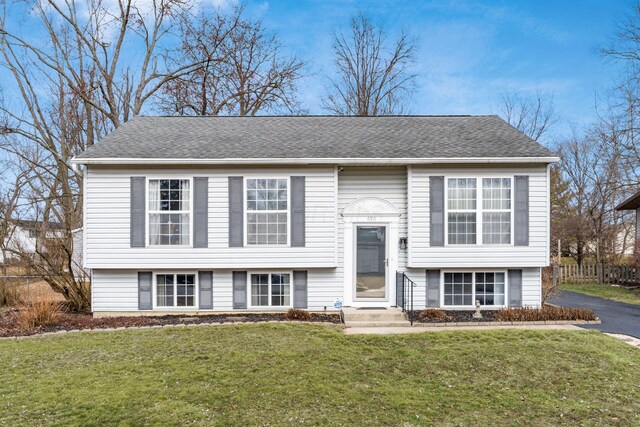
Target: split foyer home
{"points": [[201, 214]]}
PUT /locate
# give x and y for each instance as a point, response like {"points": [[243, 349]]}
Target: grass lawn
{"points": [[614, 293], [300, 374]]}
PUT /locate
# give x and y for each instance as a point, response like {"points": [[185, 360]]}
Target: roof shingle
{"points": [[315, 137]]}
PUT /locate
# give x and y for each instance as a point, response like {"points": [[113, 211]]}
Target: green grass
{"points": [[614, 293], [314, 375]]}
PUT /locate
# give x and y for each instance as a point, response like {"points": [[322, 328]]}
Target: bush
{"points": [[545, 313], [37, 314], [9, 294], [434, 314], [298, 314]]}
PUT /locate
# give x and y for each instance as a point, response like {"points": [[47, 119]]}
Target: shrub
{"points": [[545, 313], [434, 314], [38, 314], [298, 314], [9, 294]]}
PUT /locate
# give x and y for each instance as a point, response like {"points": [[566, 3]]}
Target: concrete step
{"points": [[388, 315], [379, 324]]}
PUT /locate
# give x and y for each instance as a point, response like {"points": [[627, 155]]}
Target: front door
{"points": [[371, 263]]}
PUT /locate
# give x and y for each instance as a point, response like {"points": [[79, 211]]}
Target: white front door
{"points": [[370, 252], [370, 264]]}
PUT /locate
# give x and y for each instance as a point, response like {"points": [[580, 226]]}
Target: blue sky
{"points": [[471, 52]]}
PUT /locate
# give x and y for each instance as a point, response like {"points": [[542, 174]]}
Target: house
{"points": [[23, 236], [194, 214], [632, 204]]}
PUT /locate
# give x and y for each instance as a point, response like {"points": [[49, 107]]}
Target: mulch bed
{"points": [[73, 321], [458, 316]]}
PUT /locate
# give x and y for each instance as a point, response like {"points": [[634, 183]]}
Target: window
{"points": [[267, 211], [463, 289], [496, 210], [458, 289], [490, 288], [175, 290], [169, 212], [461, 205], [270, 290]]}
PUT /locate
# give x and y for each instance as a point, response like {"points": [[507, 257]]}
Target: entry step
{"points": [[362, 318]]}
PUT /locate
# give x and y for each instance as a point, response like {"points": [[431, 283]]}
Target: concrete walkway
{"points": [[419, 329]]}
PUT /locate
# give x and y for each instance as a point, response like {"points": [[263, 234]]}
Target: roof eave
{"points": [[314, 161], [632, 203]]}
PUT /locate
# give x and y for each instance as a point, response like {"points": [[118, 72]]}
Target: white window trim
{"points": [[175, 294], [267, 307], [447, 210], [479, 210], [473, 288], [246, 211], [148, 213]]}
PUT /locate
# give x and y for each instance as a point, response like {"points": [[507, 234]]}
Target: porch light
{"points": [[403, 243]]}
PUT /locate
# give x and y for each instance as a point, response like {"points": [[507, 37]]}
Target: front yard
{"points": [[274, 374], [614, 293]]}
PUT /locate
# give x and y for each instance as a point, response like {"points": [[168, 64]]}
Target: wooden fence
{"points": [[589, 273]]}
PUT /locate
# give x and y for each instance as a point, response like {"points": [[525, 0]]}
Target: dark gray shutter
{"points": [[236, 212], [436, 210], [239, 289], [300, 289], [200, 212], [515, 288], [205, 284], [521, 211], [145, 283], [138, 223], [433, 288], [297, 211]]}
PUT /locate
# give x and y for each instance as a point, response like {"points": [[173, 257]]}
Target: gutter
{"points": [[314, 161]]}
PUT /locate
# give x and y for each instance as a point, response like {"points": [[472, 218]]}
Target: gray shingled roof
{"points": [[315, 137]]}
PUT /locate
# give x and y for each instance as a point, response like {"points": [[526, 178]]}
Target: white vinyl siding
{"points": [[388, 183], [422, 255], [107, 210], [328, 191], [117, 290]]}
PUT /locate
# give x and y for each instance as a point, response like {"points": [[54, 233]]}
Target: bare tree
{"points": [[245, 70], [75, 83], [590, 164], [534, 116], [372, 77]]}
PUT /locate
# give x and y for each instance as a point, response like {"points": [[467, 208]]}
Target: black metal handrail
{"points": [[404, 294]]}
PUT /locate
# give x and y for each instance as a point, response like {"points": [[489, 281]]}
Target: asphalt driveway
{"points": [[616, 317]]}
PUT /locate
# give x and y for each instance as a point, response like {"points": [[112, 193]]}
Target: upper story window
{"points": [[496, 210], [461, 205], [267, 211], [169, 212], [479, 207]]}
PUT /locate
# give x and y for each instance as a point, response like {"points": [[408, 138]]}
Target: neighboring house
{"points": [[193, 214], [632, 204], [23, 238]]}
